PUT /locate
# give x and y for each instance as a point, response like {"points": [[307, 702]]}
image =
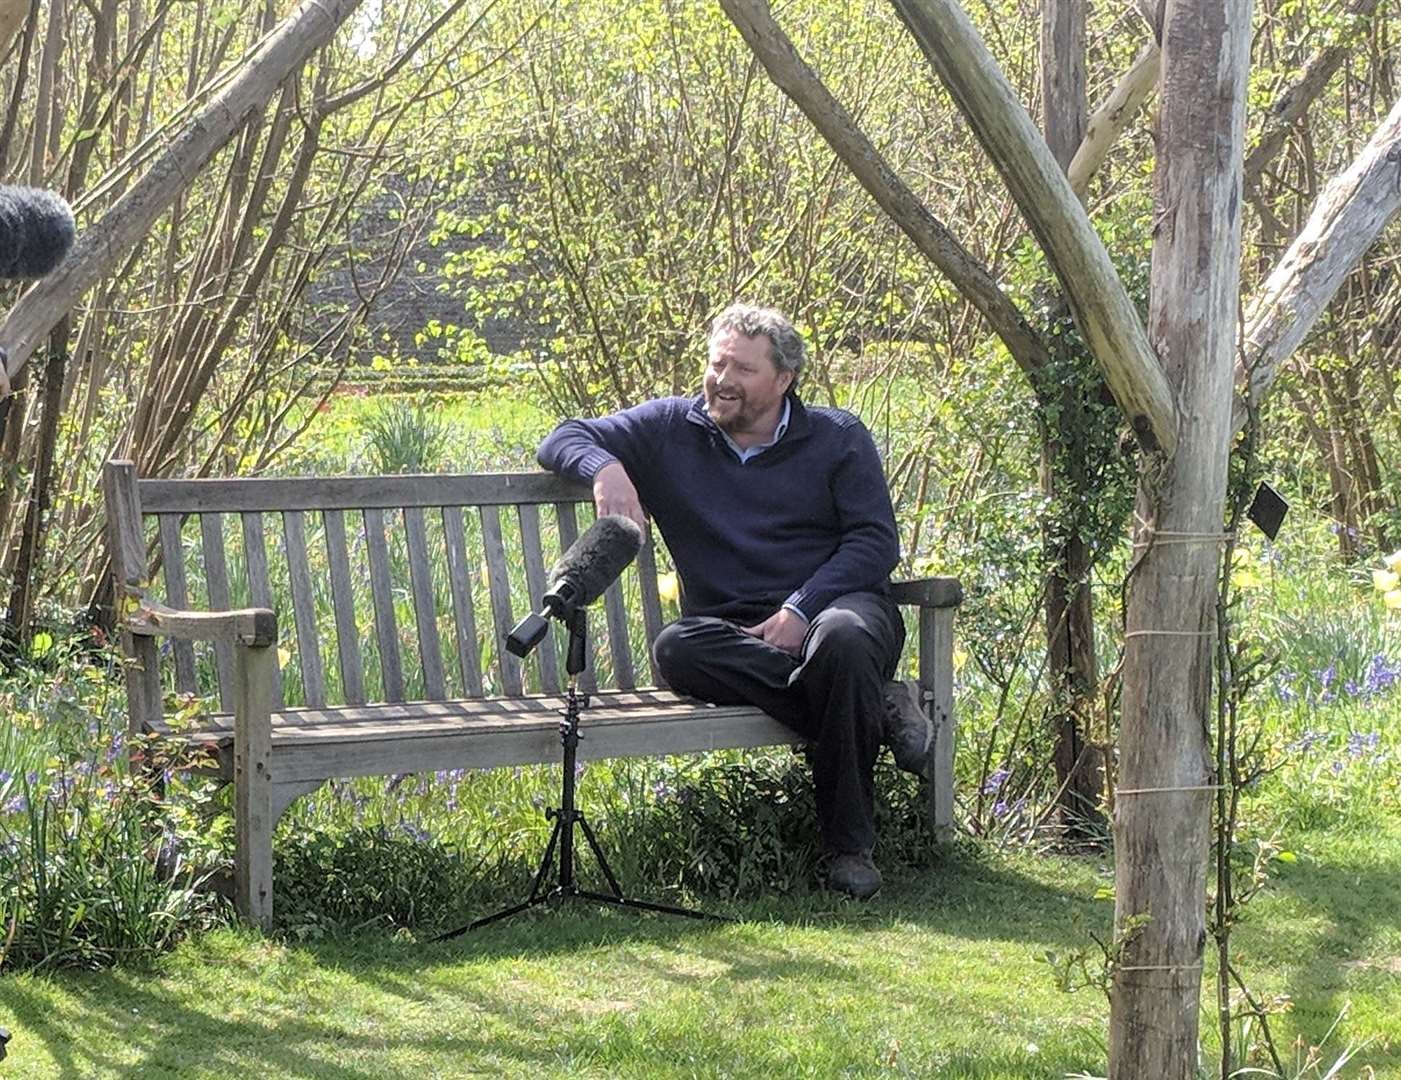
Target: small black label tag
{"points": [[1267, 510]]}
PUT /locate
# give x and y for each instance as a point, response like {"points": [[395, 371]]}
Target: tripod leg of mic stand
{"points": [[535, 896], [647, 905], [598, 856], [619, 899]]}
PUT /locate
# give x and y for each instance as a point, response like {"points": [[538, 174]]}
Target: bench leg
{"points": [[936, 680], [255, 672]]}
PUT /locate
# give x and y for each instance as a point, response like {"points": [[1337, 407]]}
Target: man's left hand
{"points": [[783, 630]]}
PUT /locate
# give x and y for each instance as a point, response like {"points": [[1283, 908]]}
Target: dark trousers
{"points": [[832, 695]]}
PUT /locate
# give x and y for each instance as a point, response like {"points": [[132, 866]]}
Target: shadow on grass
{"points": [[133, 1026], [1345, 947]]}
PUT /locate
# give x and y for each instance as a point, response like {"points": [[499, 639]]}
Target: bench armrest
{"points": [[935, 592], [256, 627]]}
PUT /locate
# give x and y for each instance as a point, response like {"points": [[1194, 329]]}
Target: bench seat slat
{"points": [[431, 736]]}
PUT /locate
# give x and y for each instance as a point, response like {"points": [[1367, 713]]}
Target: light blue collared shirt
{"points": [[755, 451]]}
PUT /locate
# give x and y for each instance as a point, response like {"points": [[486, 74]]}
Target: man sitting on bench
{"points": [[778, 518]]}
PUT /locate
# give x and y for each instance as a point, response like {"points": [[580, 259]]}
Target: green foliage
{"points": [[404, 436], [93, 864]]}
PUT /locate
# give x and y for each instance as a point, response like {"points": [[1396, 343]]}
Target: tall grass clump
{"points": [[89, 870], [405, 436]]}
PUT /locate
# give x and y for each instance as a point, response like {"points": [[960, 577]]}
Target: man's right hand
{"points": [[614, 493]]}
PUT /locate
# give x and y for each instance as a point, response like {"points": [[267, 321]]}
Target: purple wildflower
{"points": [[1308, 740], [1380, 676], [661, 791], [1359, 743], [995, 780], [1337, 767]]}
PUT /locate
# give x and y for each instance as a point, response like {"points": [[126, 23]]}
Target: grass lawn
{"points": [[938, 976]]}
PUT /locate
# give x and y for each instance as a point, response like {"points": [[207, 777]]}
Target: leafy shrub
{"points": [[405, 436], [351, 877], [89, 870]]}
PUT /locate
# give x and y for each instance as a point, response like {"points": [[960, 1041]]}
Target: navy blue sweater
{"points": [[803, 522]]}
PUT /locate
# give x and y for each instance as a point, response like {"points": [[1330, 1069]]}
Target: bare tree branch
{"points": [[1349, 215], [1290, 105], [307, 29], [972, 279], [1112, 117], [1101, 306]]}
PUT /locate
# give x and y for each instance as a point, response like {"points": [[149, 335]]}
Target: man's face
{"points": [[743, 386]]}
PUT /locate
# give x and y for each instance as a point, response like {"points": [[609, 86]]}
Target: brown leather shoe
{"points": [[907, 728], [855, 874]]}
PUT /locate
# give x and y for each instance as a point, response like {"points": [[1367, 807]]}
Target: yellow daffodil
{"points": [[668, 588], [1384, 581], [1393, 599], [1393, 561], [1243, 572]]}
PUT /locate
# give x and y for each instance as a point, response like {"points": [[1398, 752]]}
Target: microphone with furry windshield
{"points": [[583, 573], [36, 231]]}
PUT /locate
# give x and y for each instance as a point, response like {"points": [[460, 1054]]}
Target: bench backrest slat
{"points": [[353, 492], [499, 586], [403, 553], [216, 579], [535, 586], [173, 561], [430, 645], [569, 532], [343, 604], [255, 558], [463, 615], [391, 668], [651, 602], [619, 647], [304, 609]]}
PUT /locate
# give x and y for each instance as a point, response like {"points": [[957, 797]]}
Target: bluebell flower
{"points": [[1337, 767], [1308, 740], [1359, 743], [1000, 808], [661, 791], [995, 780]]}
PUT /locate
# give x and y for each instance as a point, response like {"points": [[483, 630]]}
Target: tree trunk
{"points": [[1071, 669], [1162, 805]]}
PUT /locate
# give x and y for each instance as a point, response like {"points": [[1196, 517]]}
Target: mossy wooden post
{"points": [[1162, 803], [256, 676], [127, 547]]}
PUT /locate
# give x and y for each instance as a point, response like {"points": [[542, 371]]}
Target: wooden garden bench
{"points": [[378, 573]]}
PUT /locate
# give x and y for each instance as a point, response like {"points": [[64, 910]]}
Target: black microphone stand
{"points": [[567, 815]]}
